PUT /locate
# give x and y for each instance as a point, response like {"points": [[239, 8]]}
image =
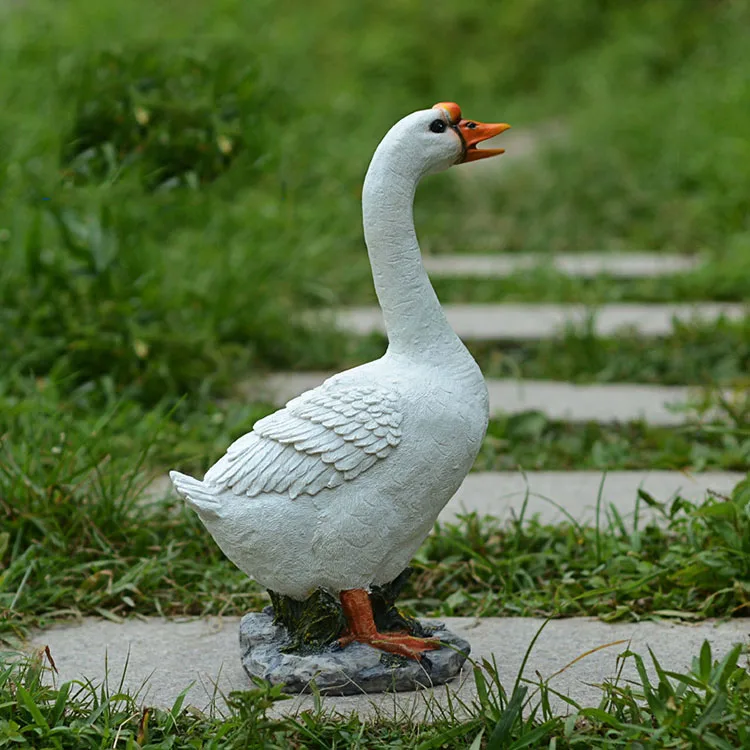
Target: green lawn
{"points": [[172, 190], [80, 538], [84, 544]]}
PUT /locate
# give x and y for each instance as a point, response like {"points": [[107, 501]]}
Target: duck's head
{"points": [[432, 140]]}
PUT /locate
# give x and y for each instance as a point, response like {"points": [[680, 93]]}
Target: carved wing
{"points": [[322, 438]]}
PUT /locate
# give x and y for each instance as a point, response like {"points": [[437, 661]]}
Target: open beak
{"points": [[473, 132]]}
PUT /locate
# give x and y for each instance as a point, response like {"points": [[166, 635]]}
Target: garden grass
{"points": [[169, 199], [713, 354], [174, 188], [79, 539], [722, 279], [717, 282], [704, 706]]}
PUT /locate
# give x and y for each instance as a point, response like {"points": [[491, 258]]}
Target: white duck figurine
{"points": [[339, 489]]}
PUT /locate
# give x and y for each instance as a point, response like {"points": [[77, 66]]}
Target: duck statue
{"points": [[337, 490]]}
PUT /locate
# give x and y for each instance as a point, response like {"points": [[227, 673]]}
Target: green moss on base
{"points": [[315, 623]]}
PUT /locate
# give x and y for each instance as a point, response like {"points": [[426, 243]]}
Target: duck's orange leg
{"points": [[361, 627]]}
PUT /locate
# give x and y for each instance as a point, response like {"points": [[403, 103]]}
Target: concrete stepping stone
{"points": [[163, 658], [557, 496], [607, 402], [583, 265], [520, 322]]}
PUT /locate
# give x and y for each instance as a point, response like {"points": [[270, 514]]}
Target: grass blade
{"points": [[501, 733]]}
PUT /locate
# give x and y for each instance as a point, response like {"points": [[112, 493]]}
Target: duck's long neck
{"points": [[414, 320]]}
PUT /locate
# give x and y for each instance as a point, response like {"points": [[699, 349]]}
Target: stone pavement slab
{"points": [[581, 265], [557, 496], [163, 658], [601, 402], [517, 322]]}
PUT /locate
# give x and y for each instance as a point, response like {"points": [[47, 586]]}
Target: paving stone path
{"points": [[610, 402], [582, 265], [168, 656], [558, 496], [522, 322]]}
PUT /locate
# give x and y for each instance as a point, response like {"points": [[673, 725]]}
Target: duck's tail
{"points": [[199, 496]]}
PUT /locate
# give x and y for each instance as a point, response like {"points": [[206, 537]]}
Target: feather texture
{"points": [[324, 437]]}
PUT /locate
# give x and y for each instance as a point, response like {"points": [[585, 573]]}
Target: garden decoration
{"points": [[326, 501]]}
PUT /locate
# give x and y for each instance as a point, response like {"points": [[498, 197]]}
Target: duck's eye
{"points": [[438, 126]]}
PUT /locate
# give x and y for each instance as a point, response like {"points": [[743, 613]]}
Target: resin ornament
{"points": [[326, 501]]}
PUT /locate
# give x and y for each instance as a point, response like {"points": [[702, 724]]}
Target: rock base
{"points": [[344, 671]]}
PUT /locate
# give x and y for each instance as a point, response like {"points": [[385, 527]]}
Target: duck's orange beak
{"points": [[473, 132]]}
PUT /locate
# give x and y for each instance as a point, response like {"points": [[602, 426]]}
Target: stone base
{"points": [[344, 671]]}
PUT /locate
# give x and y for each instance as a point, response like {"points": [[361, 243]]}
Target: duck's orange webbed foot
{"points": [[361, 627], [395, 643]]}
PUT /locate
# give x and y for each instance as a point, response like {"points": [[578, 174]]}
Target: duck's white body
{"points": [[338, 489]]}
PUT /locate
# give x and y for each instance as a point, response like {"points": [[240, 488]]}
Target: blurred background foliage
{"points": [[184, 118], [178, 180]]}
